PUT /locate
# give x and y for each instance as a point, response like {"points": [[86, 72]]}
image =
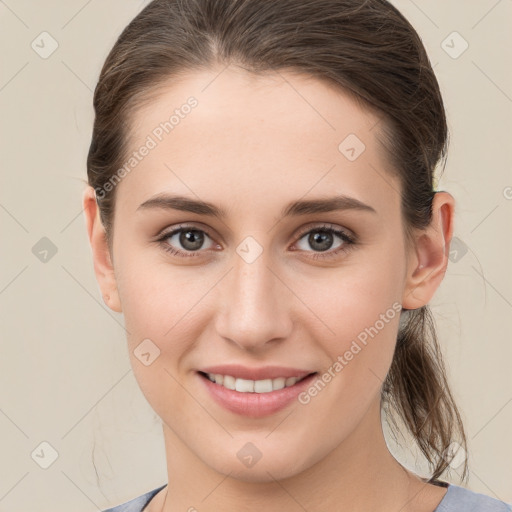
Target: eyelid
{"points": [[325, 225], [169, 231]]}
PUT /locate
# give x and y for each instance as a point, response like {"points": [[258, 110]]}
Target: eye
{"points": [[190, 241], [321, 239], [190, 238]]}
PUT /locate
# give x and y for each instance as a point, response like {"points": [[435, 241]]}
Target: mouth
{"points": [[253, 386], [255, 398]]}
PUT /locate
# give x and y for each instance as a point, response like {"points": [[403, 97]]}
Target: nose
{"points": [[254, 304]]}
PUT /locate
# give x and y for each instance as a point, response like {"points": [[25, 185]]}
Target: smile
{"points": [[253, 386], [257, 397]]}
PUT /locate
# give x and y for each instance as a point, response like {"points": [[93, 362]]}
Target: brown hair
{"points": [[367, 49]]}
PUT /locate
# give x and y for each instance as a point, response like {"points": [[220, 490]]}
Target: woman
{"points": [[231, 138]]}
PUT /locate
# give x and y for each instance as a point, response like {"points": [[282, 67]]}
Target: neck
{"points": [[360, 474]]}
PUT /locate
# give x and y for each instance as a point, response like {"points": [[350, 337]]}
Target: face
{"points": [[261, 290]]}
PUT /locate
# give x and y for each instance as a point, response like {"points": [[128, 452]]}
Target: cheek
{"points": [[153, 296], [359, 312], [161, 308], [158, 318], [352, 299]]}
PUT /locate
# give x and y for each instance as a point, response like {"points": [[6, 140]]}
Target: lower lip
{"points": [[255, 405]]}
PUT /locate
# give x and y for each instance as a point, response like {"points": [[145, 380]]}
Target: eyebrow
{"points": [[301, 207]]}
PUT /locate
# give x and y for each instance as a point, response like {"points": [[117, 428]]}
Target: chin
{"points": [[260, 472], [270, 463]]}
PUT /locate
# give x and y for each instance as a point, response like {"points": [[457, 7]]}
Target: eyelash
{"points": [[349, 241]]}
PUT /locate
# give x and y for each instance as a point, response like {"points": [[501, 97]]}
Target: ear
{"points": [[428, 260], [103, 267]]}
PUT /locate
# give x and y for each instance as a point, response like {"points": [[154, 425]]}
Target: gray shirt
{"points": [[456, 499]]}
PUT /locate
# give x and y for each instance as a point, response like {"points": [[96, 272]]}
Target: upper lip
{"points": [[265, 372]]}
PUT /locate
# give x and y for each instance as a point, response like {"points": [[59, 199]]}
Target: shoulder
{"points": [[459, 499], [137, 504]]}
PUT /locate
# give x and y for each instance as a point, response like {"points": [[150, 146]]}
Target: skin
{"points": [[251, 146]]}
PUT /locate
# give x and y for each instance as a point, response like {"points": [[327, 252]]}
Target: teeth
{"points": [[278, 383], [244, 386], [252, 386], [229, 382], [290, 381], [263, 386]]}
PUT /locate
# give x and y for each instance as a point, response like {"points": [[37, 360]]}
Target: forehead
{"points": [[280, 135]]}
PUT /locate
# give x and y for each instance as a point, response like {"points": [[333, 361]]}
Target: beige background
{"points": [[65, 377]]}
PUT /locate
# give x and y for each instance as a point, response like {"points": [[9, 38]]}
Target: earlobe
{"points": [[429, 258], [103, 267]]}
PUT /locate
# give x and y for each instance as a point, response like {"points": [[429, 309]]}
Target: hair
{"points": [[368, 50]]}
